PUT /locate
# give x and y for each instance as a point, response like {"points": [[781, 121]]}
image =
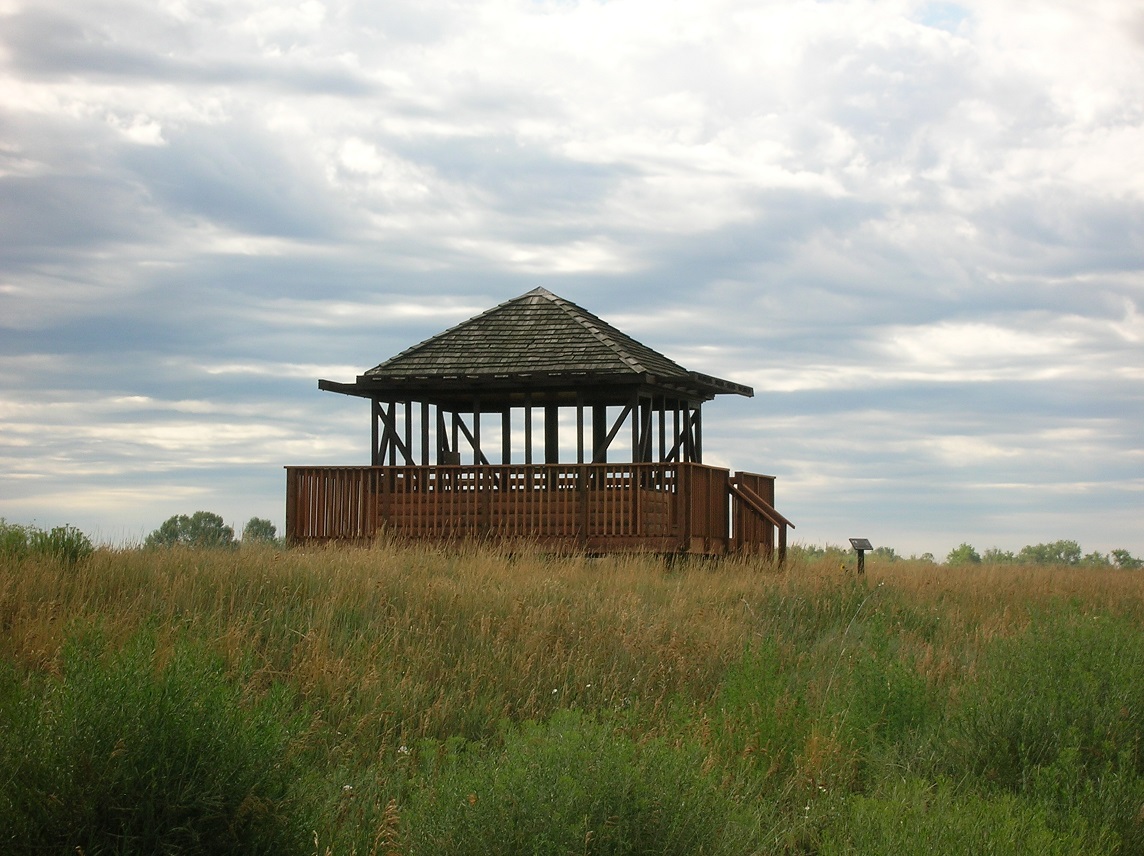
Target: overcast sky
{"points": [[915, 228]]}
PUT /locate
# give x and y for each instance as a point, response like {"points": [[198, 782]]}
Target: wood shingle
{"points": [[533, 343]]}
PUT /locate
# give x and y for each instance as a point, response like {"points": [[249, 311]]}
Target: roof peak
{"points": [[536, 339]]}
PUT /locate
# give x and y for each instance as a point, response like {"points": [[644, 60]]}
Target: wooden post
{"points": [[375, 432], [636, 444], [424, 433], [528, 428], [662, 430], [506, 436], [391, 432], [476, 431], [579, 428], [688, 445], [442, 436], [408, 453], [599, 434], [551, 434], [698, 441], [292, 505]]}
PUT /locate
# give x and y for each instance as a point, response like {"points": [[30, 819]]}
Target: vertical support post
{"points": [[506, 436], [599, 433], [698, 441], [662, 430], [292, 505], [476, 430], [688, 437], [579, 428], [424, 433], [551, 434], [637, 446], [375, 432], [408, 432], [442, 436], [678, 450], [391, 432], [528, 428]]}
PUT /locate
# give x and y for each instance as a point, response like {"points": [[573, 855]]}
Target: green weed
{"points": [[134, 752]]}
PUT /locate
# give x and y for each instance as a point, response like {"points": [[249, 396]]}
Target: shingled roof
{"points": [[537, 341]]}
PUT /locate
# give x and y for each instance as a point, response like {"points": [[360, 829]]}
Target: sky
{"points": [[916, 229]]}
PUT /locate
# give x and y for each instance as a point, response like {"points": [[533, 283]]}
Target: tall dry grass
{"points": [[408, 642], [795, 685]]}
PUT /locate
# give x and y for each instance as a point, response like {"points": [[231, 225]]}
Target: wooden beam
{"points": [[424, 433], [442, 436], [646, 441], [599, 434], [506, 436], [476, 438], [600, 453], [697, 434], [551, 434], [663, 430], [579, 427], [634, 404], [757, 504], [478, 455], [528, 428], [375, 434], [688, 440]]}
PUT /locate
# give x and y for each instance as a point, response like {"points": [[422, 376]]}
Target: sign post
{"points": [[861, 545]]}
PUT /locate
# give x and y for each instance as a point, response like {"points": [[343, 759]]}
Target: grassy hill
{"points": [[414, 700]]}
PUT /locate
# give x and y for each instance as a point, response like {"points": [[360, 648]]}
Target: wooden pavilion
{"points": [[456, 425]]}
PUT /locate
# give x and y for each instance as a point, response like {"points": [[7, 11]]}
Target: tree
{"points": [[1056, 553], [259, 529], [963, 554], [1125, 560], [996, 556], [201, 529]]}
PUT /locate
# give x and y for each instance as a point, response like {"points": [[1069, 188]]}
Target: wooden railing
{"points": [[595, 507]]}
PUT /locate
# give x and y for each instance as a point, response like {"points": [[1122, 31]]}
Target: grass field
{"points": [[423, 701]]}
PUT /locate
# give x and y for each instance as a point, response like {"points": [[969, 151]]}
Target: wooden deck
{"points": [[595, 508]]}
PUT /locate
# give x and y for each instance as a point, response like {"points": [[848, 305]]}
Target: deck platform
{"points": [[668, 508]]}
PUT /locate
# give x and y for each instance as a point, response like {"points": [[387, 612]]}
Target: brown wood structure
{"points": [[470, 429]]}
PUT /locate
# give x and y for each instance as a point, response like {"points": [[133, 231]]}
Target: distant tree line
{"points": [[1053, 553], [205, 529]]}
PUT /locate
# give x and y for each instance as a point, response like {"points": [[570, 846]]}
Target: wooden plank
{"points": [[684, 505]]}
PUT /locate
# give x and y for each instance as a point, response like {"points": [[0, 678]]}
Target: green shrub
{"points": [[119, 754], [65, 544], [883, 701], [917, 818], [13, 540], [1057, 714], [760, 716], [571, 785]]}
